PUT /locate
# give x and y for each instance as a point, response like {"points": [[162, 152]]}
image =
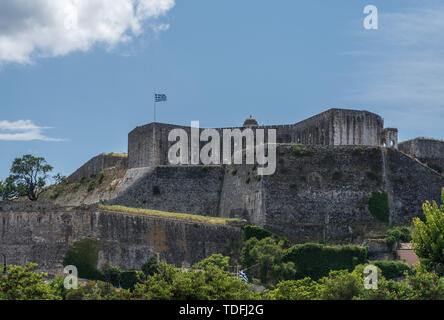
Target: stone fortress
{"points": [[148, 145], [326, 186], [329, 168]]}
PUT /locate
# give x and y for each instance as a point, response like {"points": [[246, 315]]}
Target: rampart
{"points": [[42, 233], [148, 145], [99, 163]]}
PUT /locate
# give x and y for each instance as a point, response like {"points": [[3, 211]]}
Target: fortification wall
{"points": [[97, 164], [429, 151], [148, 145], [352, 127], [186, 189], [42, 234], [319, 193]]}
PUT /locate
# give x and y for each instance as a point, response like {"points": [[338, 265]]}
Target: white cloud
{"points": [[48, 28], [23, 130]]}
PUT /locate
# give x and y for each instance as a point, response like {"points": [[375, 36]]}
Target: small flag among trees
{"points": [[243, 276]]}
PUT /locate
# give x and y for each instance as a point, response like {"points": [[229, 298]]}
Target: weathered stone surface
{"points": [[43, 234], [148, 145], [97, 164], [428, 151], [318, 195]]}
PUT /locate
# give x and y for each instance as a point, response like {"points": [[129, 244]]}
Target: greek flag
{"points": [[243, 276], [160, 97]]}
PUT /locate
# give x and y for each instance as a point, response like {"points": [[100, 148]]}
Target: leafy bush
{"points": [[150, 267], [84, 255], [392, 269], [217, 260], [112, 275], [341, 285], [316, 260], [304, 289], [263, 259], [397, 234], [94, 290], [128, 279], [22, 283], [257, 232], [172, 283], [428, 236], [379, 206]]}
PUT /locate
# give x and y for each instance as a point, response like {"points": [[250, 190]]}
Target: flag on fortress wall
{"points": [[160, 97]]}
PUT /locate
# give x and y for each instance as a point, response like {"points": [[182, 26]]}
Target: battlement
{"points": [[148, 145]]}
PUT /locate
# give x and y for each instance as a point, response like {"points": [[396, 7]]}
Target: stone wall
{"points": [[429, 151], [97, 164], [42, 234], [319, 193], [148, 145], [186, 189]]}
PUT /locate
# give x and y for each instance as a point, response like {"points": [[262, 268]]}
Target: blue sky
{"points": [[75, 80]]}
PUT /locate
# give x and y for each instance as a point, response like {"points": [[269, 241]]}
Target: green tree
{"points": [[84, 255], [31, 172], [217, 260], [96, 290], [171, 283], [150, 267], [428, 236], [22, 283], [112, 274], [341, 285], [59, 178], [263, 259], [304, 289]]}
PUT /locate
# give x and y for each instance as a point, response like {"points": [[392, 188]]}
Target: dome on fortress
{"points": [[250, 123]]}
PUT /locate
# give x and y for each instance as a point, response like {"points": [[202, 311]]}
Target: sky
{"points": [[76, 76]]}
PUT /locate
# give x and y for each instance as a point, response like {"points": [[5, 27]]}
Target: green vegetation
{"points": [[378, 205], [171, 215], [84, 255], [22, 283], [392, 269], [257, 232], [396, 235], [96, 181], [317, 260], [257, 177], [117, 154], [233, 172], [428, 236], [264, 259], [302, 151], [28, 177]]}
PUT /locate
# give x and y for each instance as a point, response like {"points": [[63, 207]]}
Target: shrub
{"points": [[150, 267], [233, 172], [111, 274], [257, 232], [341, 285], [397, 234], [379, 206], [392, 269], [258, 177], [128, 279], [316, 260], [83, 255]]}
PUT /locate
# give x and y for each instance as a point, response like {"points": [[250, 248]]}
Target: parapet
{"points": [[99, 163]]}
